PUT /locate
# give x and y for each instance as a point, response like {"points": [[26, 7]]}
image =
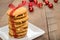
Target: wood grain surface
{"points": [[44, 18]]}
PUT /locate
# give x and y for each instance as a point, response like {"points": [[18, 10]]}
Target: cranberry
{"points": [[31, 9], [31, 0], [35, 1], [46, 2], [55, 1], [40, 5], [30, 4], [23, 2], [50, 5], [43, 0]]}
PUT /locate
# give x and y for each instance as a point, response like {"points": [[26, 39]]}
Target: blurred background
{"points": [[3, 8], [44, 18]]}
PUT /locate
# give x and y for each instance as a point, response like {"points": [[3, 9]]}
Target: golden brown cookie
{"points": [[18, 24], [20, 33]]}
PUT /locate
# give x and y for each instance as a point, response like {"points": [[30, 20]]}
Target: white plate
{"points": [[3, 36], [33, 32]]}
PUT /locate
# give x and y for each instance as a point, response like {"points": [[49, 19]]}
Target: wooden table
{"points": [[45, 18]]}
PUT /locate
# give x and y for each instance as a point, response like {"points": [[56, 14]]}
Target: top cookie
{"points": [[18, 11]]}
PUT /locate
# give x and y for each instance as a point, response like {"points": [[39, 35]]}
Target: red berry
{"points": [[40, 5], [55, 1], [23, 2], [35, 1], [50, 5], [31, 0], [43, 0], [30, 4], [31, 9], [46, 2]]}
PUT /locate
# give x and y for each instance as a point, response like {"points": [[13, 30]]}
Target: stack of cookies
{"points": [[18, 24]]}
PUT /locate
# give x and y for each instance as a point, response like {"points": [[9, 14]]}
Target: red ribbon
{"points": [[11, 6], [11, 14], [14, 8], [19, 5]]}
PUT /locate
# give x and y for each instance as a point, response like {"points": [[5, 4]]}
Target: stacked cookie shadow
{"points": [[18, 24]]}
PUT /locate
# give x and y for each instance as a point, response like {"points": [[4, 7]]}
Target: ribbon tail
{"points": [[11, 6]]}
